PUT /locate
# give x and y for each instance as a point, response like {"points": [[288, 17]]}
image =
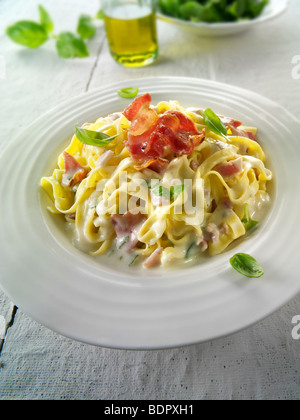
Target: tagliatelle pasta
{"points": [[162, 186]]}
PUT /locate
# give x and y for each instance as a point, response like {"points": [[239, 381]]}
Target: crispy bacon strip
{"points": [[153, 137], [157, 165]]}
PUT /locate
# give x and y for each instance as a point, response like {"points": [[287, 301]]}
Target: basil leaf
{"points": [[69, 46], [246, 265], [176, 190], [45, 20], [161, 191], [129, 92], [214, 123], [27, 33], [86, 28], [100, 14], [188, 252], [248, 222], [171, 193], [93, 138]]}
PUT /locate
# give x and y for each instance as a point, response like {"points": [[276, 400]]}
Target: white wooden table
{"points": [[261, 362]]}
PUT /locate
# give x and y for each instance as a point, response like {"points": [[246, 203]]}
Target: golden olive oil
{"points": [[131, 34]]}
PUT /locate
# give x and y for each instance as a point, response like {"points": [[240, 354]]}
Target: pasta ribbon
{"points": [[189, 205]]}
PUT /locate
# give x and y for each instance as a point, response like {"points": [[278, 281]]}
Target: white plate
{"points": [[77, 296], [271, 11]]}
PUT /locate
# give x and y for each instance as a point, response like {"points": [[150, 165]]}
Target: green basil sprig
{"points": [[93, 138], [32, 34], [246, 265], [69, 45], [248, 222], [171, 193], [214, 123], [189, 250], [86, 28], [129, 92], [27, 33], [45, 20]]}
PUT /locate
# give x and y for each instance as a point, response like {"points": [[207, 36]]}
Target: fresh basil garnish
{"points": [[171, 193], [93, 138], [45, 20], [69, 45], [214, 123], [100, 14], [176, 190], [129, 92], [248, 222], [27, 33], [189, 250], [160, 190], [86, 28], [246, 265]]}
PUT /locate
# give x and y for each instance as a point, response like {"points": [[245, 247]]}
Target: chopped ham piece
{"points": [[156, 165], [152, 137], [194, 165], [203, 245], [74, 172], [153, 259], [242, 133], [231, 168], [230, 121], [127, 227], [212, 232], [225, 202]]}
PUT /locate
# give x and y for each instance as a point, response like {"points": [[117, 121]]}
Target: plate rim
{"points": [[107, 88]]}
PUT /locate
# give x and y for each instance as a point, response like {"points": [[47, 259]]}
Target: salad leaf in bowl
{"points": [[219, 17]]}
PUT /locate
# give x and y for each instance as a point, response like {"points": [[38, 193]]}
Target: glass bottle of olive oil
{"points": [[131, 31]]}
